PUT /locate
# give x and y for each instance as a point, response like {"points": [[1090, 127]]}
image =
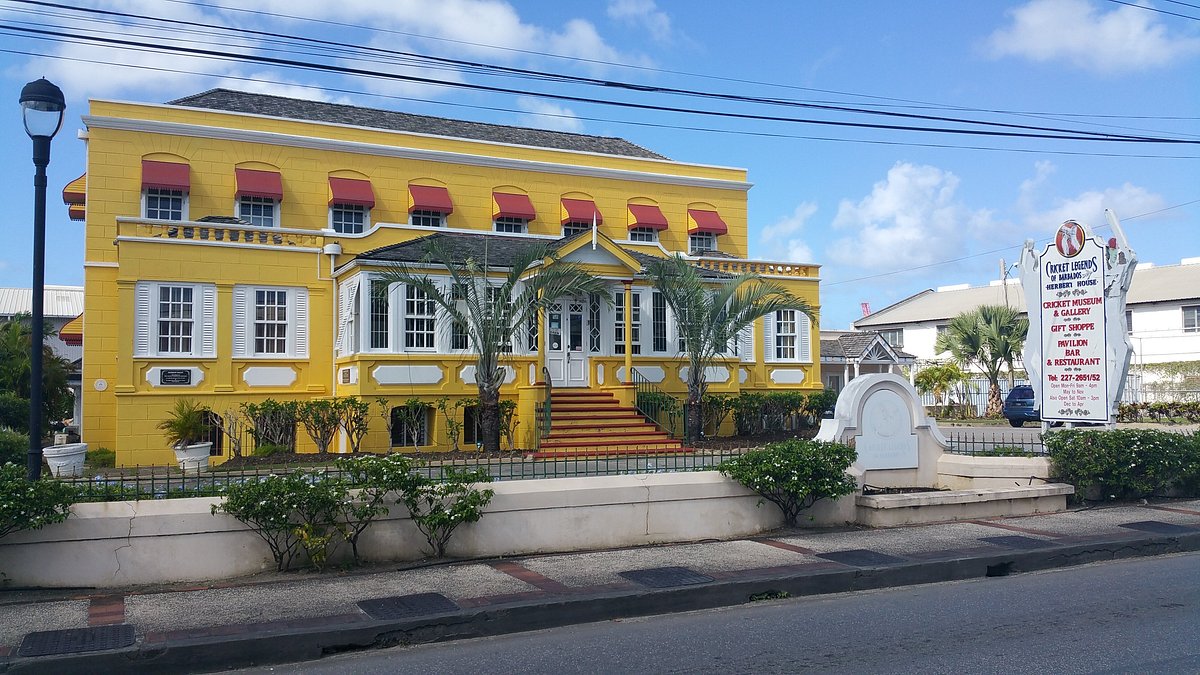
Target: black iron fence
{"points": [[995, 442]]}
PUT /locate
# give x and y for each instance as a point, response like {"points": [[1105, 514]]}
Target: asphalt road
{"points": [[1129, 616]]}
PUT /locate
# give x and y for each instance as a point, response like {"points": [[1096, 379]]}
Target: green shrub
{"points": [[272, 422], [14, 411], [30, 505], [794, 474], [438, 507], [376, 477], [270, 450], [321, 419], [14, 447], [1125, 463], [101, 458], [1004, 451]]}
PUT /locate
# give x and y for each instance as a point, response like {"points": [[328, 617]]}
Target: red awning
{"points": [[166, 175], [513, 206], [430, 198], [706, 221], [647, 216], [351, 191], [77, 212], [580, 211], [255, 183], [75, 192]]}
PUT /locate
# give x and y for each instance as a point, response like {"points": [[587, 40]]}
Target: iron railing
{"points": [[656, 405], [995, 443]]}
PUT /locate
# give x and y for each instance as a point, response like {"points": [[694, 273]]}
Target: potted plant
{"points": [[185, 428], [65, 459]]}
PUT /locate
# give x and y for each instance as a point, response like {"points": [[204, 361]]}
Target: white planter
{"points": [[193, 458], [66, 461]]}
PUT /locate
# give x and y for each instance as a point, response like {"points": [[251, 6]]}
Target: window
{"points": [[701, 241], [258, 211], [1128, 321], [348, 218], [164, 204], [270, 322], [511, 225], [501, 305], [658, 321], [419, 319], [380, 315], [531, 334], [619, 324], [459, 340], [785, 335], [1191, 319], [176, 319], [173, 319], [410, 427], [894, 337], [575, 227], [648, 234], [427, 218]]}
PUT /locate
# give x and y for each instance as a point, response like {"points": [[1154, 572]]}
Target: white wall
{"points": [[1158, 335]]}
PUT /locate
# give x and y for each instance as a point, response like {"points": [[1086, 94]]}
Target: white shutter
{"points": [[347, 295], [769, 338], [803, 341], [142, 306], [301, 325], [241, 316], [208, 321], [746, 344]]}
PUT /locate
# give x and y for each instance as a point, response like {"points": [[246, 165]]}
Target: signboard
{"points": [[1077, 351], [1074, 382], [176, 376]]}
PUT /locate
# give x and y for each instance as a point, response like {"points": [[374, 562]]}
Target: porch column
{"points": [[629, 331], [845, 374], [540, 364], [856, 364]]}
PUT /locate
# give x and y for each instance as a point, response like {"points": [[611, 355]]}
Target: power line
{"points": [[1148, 8], [481, 67], [346, 70]]}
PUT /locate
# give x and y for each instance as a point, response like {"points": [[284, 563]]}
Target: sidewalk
{"points": [[295, 617]]}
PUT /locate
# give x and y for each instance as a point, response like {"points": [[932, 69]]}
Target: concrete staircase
{"points": [[586, 423]]}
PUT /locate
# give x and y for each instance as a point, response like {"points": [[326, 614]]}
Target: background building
{"points": [[63, 313]]}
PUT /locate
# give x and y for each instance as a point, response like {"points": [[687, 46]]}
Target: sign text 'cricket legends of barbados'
{"points": [[1077, 351]]}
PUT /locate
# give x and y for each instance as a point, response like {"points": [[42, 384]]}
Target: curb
{"points": [[310, 643]]}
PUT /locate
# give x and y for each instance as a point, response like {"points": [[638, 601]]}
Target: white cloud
{"points": [[547, 115], [784, 235], [912, 218], [643, 13], [1088, 207], [270, 83], [1075, 31]]}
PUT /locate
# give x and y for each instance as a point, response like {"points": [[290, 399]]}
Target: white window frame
{"points": [[251, 201], [648, 235], [182, 196], [1194, 310], [423, 218], [510, 225], [899, 336], [389, 303], [618, 310], [573, 227], [349, 208], [708, 237], [406, 315], [801, 332], [146, 320], [297, 322]]}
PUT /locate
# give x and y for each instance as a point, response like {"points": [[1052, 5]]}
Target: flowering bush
{"points": [[1125, 463], [439, 506], [30, 505], [794, 474]]}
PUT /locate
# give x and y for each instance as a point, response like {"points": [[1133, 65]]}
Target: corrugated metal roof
{"points": [[60, 301], [1166, 283]]}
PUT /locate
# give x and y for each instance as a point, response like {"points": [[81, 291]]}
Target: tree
{"points": [[492, 303], [989, 338], [15, 367], [939, 379], [711, 315]]}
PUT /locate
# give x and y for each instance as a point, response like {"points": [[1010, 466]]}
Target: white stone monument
{"points": [[898, 445]]}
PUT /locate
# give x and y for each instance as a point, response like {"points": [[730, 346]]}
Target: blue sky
{"points": [[887, 213]]}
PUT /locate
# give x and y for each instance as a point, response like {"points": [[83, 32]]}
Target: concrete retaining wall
{"points": [[163, 541], [963, 472]]}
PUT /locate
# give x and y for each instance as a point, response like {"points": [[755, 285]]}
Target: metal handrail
{"points": [[654, 403], [549, 394]]}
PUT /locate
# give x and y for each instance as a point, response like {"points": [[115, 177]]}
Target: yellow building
{"points": [[232, 240]]}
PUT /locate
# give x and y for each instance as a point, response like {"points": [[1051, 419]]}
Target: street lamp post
{"points": [[42, 106]]}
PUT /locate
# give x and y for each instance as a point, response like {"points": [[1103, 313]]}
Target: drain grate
{"points": [[1018, 541], [1158, 527], [406, 606], [75, 640], [666, 577], [861, 557]]}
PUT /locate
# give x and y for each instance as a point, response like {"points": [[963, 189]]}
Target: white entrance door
{"points": [[565, 356]]}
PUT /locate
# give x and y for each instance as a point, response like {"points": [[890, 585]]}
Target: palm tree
{"points": [[939, 379], [990, 338], [492, 303], [711, 316]]}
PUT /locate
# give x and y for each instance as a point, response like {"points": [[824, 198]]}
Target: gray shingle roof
{"points": [[501, 250], [852, 346], [318, 111]]}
